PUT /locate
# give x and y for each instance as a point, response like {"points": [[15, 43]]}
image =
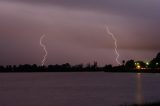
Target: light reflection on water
{"points": [[78, 89], [139, 95]]}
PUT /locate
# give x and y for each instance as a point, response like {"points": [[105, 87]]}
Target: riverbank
{"points": [[70, 71], [145, 104]]}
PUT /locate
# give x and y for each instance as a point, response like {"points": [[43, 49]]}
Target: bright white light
{"points": [[147, 63], [45, 50], [115, 43]]}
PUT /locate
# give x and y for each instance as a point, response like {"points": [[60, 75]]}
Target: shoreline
{"points": [[145, 104], [138, 71]]}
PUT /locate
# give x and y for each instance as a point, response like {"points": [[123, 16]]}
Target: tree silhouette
{"points": [[130, 64], [155, 62]]}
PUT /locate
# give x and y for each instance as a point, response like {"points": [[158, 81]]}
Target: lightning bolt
{"points": [[45, 50], [115, 43]]}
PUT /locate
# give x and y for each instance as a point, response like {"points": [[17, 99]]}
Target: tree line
{"points": [[128, 66]]}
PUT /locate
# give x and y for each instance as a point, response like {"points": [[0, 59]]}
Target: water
{"points": [[78, 89]]}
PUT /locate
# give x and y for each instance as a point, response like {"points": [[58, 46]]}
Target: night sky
{"points": [[75, 30]]}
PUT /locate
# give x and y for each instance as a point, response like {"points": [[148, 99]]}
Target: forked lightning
{"points": [[115, 44], [45, 50]]}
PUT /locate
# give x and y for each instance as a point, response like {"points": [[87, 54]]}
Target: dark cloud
{"points": [[76, 29], [140, 8]]}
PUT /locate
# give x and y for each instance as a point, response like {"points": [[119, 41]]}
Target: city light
{"points": [[147, 63], [138, 67]]}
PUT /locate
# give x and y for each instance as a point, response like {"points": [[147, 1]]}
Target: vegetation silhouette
{"points": [[152, 66]]}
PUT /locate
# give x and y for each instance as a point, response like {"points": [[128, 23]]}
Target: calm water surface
{"points": [[78, 89]]}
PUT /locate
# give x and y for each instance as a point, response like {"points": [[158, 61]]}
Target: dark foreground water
{"points": [[77, 89]]}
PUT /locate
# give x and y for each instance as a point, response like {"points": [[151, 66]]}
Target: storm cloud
{"points": [[76, 30]]}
